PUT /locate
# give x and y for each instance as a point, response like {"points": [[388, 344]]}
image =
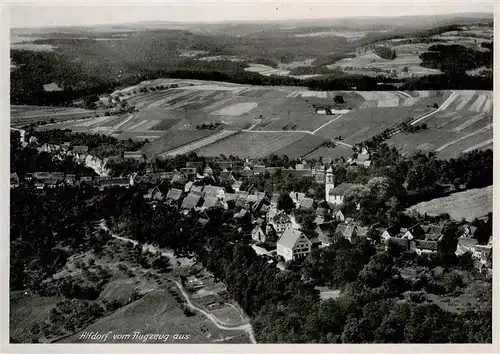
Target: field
{"points": [[23, 115], [254, 121], [371, 64], [27, 309], [254, 145], [471, 204], [464, 122], [156, 313]]}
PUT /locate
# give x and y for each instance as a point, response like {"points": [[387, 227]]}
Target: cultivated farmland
{"points": [[179, 116], [254, 145], [471, 204], [23, 115], [464, 122]]}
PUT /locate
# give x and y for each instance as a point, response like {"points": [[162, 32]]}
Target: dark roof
{"points": [[224, 164], [174, 194], [247, 173], [191, 201], [188, 170], [259, 168], [427, 245], [80, 148], [342, 188], [325, 231], [417, 231], [393, 230], [273, 170], [433, 229], [402, 242], [194, 164]]}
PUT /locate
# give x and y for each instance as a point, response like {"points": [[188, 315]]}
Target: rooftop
{"points": [[289, 238], [342, 188]]}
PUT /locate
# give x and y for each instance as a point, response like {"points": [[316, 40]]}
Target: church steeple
{"points": [[329, 183]]}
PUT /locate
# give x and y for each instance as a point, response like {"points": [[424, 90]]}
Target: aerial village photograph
{"points": [[250, 173]]}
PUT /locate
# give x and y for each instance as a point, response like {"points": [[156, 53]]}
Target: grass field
{"points": [[27, 309], [471, 204], [157, 313], [23, 115]]}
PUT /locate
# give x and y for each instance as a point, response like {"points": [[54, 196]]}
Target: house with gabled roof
{"points": [[392, 231], [210, 203], [415, 232], [306, 204], [214, 191], [154, 194], [293, 244], [196, 190], [81, 149], [258, 234], [326, 233], [191, 201], [173, 195], [424, 246], [346, 231], [197, 165]]}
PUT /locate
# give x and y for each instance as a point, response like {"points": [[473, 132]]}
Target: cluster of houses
{"points": [[80, 154], [481, 254]]}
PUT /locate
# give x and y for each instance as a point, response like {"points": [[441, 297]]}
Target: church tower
{"points": [[329, 183]]}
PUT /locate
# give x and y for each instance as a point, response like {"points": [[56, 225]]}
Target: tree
{"points": [[338, 99], [285, 203]]}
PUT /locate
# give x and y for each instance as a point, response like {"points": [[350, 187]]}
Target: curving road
{"points": [[218, 323]]}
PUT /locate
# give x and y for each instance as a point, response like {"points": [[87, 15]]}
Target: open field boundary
{"points": [[199, 143]]}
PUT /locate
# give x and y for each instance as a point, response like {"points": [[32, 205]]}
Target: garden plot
{"points": [[266, 70], [251, 145]]}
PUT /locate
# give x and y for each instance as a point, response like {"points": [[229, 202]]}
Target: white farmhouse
{"points": [[293, 244]]}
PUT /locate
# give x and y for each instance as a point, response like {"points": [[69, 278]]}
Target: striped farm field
{"points": [[464, 122], [334, 153], [471, 204], [173, 139], [301, 147], [200, 144], [252, 145]]}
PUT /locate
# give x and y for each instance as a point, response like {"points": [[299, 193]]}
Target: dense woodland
{"points": [[87, 67]]}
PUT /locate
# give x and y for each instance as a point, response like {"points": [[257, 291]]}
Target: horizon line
{"points": [[181, 22]]}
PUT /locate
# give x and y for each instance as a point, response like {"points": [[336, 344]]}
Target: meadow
{"points": [[471, 204]]}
